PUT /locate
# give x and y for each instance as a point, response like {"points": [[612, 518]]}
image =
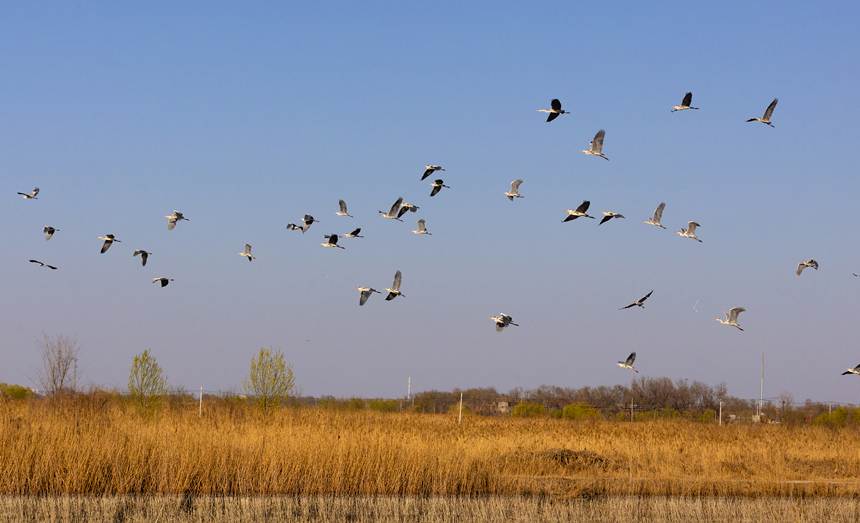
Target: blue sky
{"points": [[246, 117]]}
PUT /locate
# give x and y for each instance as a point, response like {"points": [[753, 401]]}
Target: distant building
{"points": [[503, 406]]}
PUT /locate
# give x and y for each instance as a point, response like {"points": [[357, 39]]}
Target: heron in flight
{"points": [[392, 214], [629, 363], [406, 207], [331, 241], [608, 216], [638, 302], [353, 234], [365, 294], [732, 317], [31, 196], [306, 224], [49, 231], [554, 111], [803, 265], [174, 218], [343, 209], [502, 321], [394, 291], [596, 145], [421, 228], [579, 211], [43, 264], [685, 103], [690, 231], [430, 170], [164, 281], [437, 186], [515, 190], [658, 215], [109, 239], [855, 370], [143, 256], [247, 253], [767, 114]]}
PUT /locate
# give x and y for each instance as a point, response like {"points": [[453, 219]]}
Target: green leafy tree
{"points": [[528, 410], [271, 379], [580, 411], [147, 385]]}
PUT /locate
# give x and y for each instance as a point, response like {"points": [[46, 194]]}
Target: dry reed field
{"points": [[98, 446], [490, 509]]}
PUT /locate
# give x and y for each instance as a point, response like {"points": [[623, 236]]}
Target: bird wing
{"points": [[364, 296], [583, 206], [35, 261], [658, 214], [248, 249], [51, 267], [390, 296], [605, 219], [36, 190], [143, 256], [396, 206], [551, 116], [421, 226], [355, 232], [570, 217], [397, 278], [597, 143], [627, 307], [515, 186], [106, 245], [171, 223], [645, 297], [733, 314], [342, 206], [814, 264], [630, 359], [436, 189], [691, 227], [688, 99], [555, 104], [769, 111], [427, 173], [403, 210], [333, 239], [138, 251], [800, 267], [500, 326]]}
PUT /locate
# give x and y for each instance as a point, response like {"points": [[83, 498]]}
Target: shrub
{"points": [[528, 410], [580, 411], [147, 385], [271, 380], [383, 405], [16, 392]]}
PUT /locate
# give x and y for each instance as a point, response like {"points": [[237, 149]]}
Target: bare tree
{"points": [[58, 372]]}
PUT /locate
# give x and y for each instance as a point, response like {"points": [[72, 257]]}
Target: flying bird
{"points": [[515, 190], [394, 291], [608, 216], [690, 231], [31, 196], [406, 207], [502, 321], [579, 211], [430, 170], [658, 215], [392, 214], [343, 209], [629, 363], [365, 294], [638, 302], [247, 253], [306, 224], [596, 145], [143, 256], [43, 264], [855, 370], [421, 228], [767, 114], [164, 281], [173, 218], [803, 265], [109, 239], [331, 241], [437, 186], [685, 103], [732, 317], [49, 231], [555, 111], [353, 234]]}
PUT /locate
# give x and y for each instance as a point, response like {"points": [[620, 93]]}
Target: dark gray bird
{"points": [[732, 317], [365, 294], [685, 104], [803, 265], [163, 281], [437, 186], [353, 234], [173, 218], [658, 215], [608, 216], [406, 207], [690, 231], [342, 211], [638, 302], [109, 239], [855, 370], [247, 253], [143, 256], [515, 190], [629, 363], [331, 241], [394, 291], [767, 114], [555, 111], [430, 170], [392, 214], [49, 231], [43, 264], [502, 321], [306, 224], [596, 145], [422, 229], [579, 211], [31, 196]]}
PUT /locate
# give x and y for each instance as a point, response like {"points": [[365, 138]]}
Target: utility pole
{"points": [[761, 394], [460, 421], [409, 388], [200, 412]]}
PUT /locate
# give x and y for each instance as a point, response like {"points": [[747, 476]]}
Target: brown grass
{"points": [[98, 447]]}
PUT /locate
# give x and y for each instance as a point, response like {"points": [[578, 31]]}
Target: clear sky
{"points": [[244, 116]]}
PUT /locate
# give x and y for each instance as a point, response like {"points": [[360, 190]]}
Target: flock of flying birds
{"points": [[400, 208]]}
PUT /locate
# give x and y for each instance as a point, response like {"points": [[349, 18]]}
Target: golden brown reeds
{"points": [[99, 445]]}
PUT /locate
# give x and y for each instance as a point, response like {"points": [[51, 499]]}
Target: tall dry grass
{"points": [[97, 446]]}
